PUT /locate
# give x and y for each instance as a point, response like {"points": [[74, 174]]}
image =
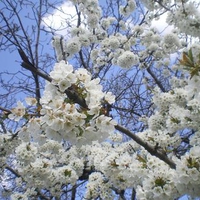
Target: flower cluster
{"points": [[61, 119], [127, 59], [121, 166], [48, 164], [116, 48], [175, 111], [98, 187], [7, 146], [171, 42], [188, 170], [128, 8], [158, 184], [186, 17], [92, 11]]}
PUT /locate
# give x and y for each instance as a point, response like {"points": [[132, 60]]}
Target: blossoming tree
{"points": [[119, 112]]}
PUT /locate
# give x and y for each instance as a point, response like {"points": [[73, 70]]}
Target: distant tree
{"points": [[111, 108]]}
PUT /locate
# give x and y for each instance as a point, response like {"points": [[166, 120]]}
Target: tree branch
{"points": [[5, 110], [26, 64], [151, 149], [155, 79], [12, 171]]}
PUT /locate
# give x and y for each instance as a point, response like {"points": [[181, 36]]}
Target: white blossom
{"points": [[127, 60], [73, 46], [128, 8], [18, 112], [31, 101]]}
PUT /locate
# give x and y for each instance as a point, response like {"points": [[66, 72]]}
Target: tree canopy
{"points": [[102, 103]]}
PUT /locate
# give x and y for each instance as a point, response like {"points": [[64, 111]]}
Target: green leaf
{"points": [[114, 164], [189, 64], [160, 182], [88, 118], [68, 172], [190, 55], [175, 120], [28, 148], [192, 163]]}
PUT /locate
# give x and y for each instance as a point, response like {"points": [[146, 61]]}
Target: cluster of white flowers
{"points": [[118, 166], [110, 49], [188, 173], [128, 8], [152, 177], [182, 104], [195, 48], [150, 5], [7, 146], [28, 193], [158, 184], [48, 164], [175, 110], [52, 166], [138, 30], [118, 49], [97, 187], [159, 6], [26, 153], [70, 47], [62, 118], [63, 76], [186, 17], [159, 47], [128, 59], [116, 137], [107, 21], [171, 42], [90, 10]]}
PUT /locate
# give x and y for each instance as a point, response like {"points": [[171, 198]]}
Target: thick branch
{"points": [[12, 170], [35, 76], [155, 79], [5, 110], [133, 196], [73, 197], [31, 68], [151, 149], [69, 92]]}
